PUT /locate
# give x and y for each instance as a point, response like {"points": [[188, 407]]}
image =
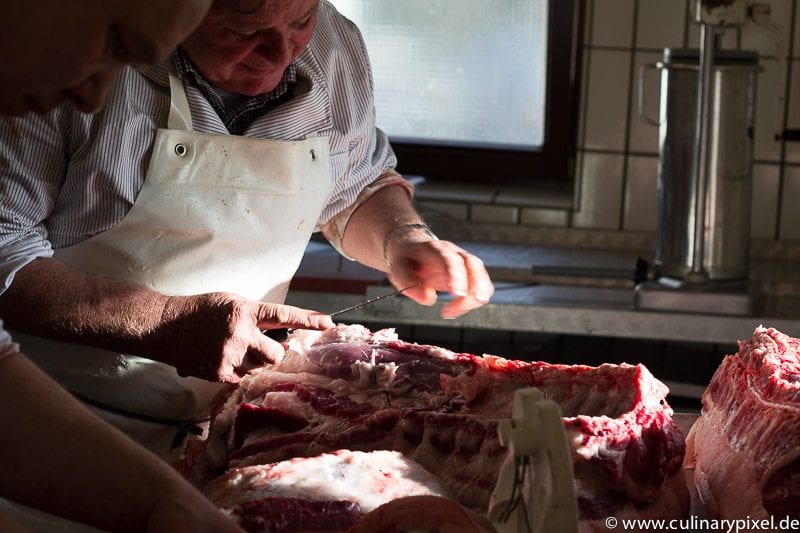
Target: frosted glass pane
{"points": [[461, 72]]}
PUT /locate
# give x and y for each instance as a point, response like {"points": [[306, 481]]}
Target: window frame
{"points": [[553, 162]]}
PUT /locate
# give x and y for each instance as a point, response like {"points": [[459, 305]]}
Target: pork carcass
{"points": [[350, 388], [744, 449]]}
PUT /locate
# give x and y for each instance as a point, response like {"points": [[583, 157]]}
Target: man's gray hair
{"points": [[243, 7]]}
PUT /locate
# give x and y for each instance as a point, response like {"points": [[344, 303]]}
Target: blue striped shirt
{"points": [[239, 114], [66, 176]]}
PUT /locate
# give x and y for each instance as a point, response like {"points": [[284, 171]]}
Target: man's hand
{"points": [[217, 336], [439, 266], [385, 232]]}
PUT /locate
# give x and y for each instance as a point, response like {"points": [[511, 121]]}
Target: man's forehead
{"points": [[266, 8]]}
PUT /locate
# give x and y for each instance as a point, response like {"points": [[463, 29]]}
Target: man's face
{"points": [[53, 50], [247, 53]]}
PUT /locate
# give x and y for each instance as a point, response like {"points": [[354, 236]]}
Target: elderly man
{"points": [[51, 51], [256, 133], [55, 455]]}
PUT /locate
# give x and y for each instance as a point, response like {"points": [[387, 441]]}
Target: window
{"points": [[474, 90]]}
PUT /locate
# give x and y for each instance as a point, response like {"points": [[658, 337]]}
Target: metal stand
{"points": [[697, 293], [698, 274]]}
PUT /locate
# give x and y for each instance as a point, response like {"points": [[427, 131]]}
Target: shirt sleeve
{"points": [[7, 347], [360, 151], [32, 163], [334, 229]]}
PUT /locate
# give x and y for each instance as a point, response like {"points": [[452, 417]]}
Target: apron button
{"points": [[180, 149], [313, 155]]}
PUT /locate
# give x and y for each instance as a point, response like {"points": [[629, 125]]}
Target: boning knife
{"points": [[281, 334]]}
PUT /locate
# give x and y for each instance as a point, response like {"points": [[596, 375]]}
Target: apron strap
{"points": [[179, 116]]}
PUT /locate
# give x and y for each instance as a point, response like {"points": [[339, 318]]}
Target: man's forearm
{"points": [[373, 220], [50, 298], [71, 454]]}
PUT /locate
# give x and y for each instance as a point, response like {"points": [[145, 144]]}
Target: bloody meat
{"points": [[350, 388]]}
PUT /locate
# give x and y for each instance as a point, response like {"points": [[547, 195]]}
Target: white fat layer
{"points": [[369, 375], [369, 479]]}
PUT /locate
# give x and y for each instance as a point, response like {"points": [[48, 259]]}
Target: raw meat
{"points": [[745, 447], [349, 388], [331, 491], [421, 513]]}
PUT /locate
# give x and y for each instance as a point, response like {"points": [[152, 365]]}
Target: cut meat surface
{"points": [[330, 491], [350, 388], [745, 447], [421, 513]]}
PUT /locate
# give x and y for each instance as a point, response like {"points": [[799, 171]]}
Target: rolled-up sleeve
{"points": [[32, 162], [7, 347], [334, 229]]}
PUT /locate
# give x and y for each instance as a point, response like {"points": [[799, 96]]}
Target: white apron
{"points": [[215, 213]]}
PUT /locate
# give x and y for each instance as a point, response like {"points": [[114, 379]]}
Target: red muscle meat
{"points": [[745, 447], [349, 388]]}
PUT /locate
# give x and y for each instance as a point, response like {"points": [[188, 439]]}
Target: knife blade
{"points": [[372, 300], [281, 334]]}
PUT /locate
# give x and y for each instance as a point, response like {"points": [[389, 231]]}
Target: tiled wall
{"points": [[618, 152], [617, 158]]}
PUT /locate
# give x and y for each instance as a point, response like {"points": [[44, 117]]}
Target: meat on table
{"points": [[349, 388]]}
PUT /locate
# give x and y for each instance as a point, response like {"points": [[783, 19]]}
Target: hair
{"points": [[242, 7]]}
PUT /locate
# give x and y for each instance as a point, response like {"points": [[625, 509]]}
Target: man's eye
{"points": [[300, 24], [243, 34]]}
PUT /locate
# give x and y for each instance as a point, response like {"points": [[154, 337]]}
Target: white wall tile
{"points": [[790, 215], [447, 191], [539, 197], [606, 100], [643, 136], [502, 214], [600, 196], [769, 110], [641, 195], [730, 40], [692, 32], [764, 206], [793, 120], [764, 40], [534, 216], [660, 24], [612, 23], [451, 210]]}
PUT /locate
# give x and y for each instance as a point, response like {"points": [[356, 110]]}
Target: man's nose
{"points": [[90, 94], [276, 48]]}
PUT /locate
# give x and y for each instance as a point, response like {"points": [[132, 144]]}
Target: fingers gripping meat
{"points": [[217, 336]]}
